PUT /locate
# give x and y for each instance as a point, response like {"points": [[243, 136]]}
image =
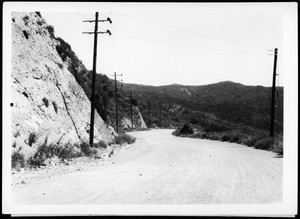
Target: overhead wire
{"points": [[82, 16], [114, 44], [189, 45], [196, 33]]}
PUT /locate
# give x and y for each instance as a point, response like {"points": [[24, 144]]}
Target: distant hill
{"points": [[229, 101]]}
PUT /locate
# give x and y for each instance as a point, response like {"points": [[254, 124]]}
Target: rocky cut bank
{"points": [[46, 101]]}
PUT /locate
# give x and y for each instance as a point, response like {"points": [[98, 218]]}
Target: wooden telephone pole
{"points": [[94, 72], [116, 96], [149, 114], [160, 115], [273, 94], [131, 110]]}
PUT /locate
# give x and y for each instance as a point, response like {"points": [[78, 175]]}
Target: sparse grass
{"points": [[32, 138], [124, 138], [46, 101], [17, 160], [45, 152]]}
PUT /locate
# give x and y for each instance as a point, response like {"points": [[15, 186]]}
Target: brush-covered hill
{"points": [[229, 101]]}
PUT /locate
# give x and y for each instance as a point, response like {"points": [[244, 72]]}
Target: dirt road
{"points": [[163, 169]]}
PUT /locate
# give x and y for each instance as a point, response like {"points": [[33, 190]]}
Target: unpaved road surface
{"points": [[163, 169]]}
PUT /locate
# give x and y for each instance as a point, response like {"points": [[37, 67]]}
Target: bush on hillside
{"points": [[87, 150], [100, 144], [17, 160], [45, 152], [26, 19], [124, 138], [32, 138], [278, 146], [50, 29], [264, 144]]}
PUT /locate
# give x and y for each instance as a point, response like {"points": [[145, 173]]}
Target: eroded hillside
{"points": [[46, 102]]}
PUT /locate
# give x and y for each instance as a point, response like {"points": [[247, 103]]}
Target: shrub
{"points": [[17, 160], [25, 34], [17, 134], [67, 151], [124, 138], [235, 137], [225, 137], [61, 66], [48, 151], [40, 22], [278, 146], [39, 14], [13, 19], [214, 136], [251, 140], [46, 102], [100, 144], [55, 106], [26, 19], [265, 144], [87, 150], [50, 29], [32, 138], [38, 159]]}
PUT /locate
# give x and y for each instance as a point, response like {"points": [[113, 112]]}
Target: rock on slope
{"points": [[46, 99], [138, 121]]}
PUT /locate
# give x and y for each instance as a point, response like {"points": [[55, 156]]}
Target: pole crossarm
{"points": [[107, 31], [107, 20]]}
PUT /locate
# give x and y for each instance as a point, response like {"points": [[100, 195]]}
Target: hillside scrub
{"points": [[66, 151], [255, 139], [17, 160], [229, 101], [124, 138]]}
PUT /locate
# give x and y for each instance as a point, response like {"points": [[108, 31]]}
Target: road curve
{"points": [[163, 169]]}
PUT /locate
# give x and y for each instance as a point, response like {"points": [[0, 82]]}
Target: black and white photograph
{"points": [[178, 109]]}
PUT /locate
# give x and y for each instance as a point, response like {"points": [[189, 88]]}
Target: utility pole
{"points": [[116, 95], [160, 115], [94, 72], [131, 115], [148, 114], [273, 94]]}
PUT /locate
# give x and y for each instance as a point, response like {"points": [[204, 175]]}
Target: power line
{"points": [[189, 45], [83, 16], [196, 33]]}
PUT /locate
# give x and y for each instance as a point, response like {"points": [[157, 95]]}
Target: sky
{"points": [[190, 44]]}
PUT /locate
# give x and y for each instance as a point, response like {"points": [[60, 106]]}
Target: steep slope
{"points": [[47, 102]]}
